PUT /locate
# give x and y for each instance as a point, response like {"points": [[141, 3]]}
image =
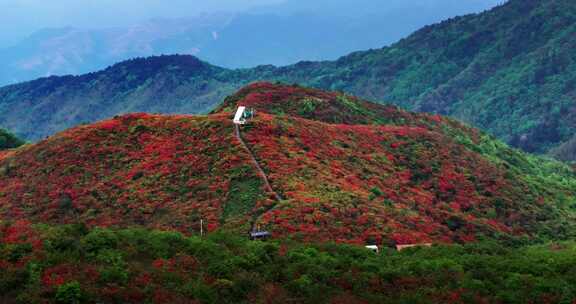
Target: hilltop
{"points": [[314, 104], [400, 178]]}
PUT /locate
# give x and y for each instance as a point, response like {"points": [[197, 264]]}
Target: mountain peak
{"points": [[315, 104], [163, 61]]}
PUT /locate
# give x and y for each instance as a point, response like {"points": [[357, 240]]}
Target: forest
{"points": [[75, 264]]}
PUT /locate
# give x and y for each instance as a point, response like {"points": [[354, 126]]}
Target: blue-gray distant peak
{"points": [[233, 34]]}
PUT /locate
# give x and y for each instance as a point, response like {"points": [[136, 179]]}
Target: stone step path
{"points": [[256, 164]]}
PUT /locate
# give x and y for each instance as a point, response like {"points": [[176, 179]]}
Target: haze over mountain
{"points": [[509, 71], [70, 50], [275, 34], [22, 18]]}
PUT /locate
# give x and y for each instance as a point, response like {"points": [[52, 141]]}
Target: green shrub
{"points": [[69, 293], [9, 140], [100, 239]]}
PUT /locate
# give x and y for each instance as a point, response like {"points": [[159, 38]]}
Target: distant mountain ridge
{"points": [[509, 71], [76, 51], [168, 84], [229, 39]]}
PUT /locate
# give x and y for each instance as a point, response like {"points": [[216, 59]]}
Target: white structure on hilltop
{"points": [[242, 114], [240, 118]]}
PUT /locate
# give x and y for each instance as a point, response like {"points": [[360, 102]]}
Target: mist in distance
{"points": [[20, 18]]}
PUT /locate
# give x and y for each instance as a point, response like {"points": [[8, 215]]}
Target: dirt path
{"points": [[256, 164]]}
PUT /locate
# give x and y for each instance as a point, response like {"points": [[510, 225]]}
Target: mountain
{"points": [[167, 84], [508, 71], [229, 39], [336, 168], [69, 50], [281, 34], [89, 215]]}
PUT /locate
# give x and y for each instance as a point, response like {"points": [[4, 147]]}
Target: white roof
{"points": [[239, 113]]}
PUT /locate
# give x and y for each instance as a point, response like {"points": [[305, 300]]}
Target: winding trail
{"points": [[256, 164]]}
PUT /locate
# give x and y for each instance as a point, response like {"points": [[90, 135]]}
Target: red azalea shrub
{"points": [[387, 175]]}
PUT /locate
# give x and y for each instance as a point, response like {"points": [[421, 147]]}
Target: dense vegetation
{"points": [[509, 71], [386, 177], [9, 140], [73, 264], [566, 151], [138, 169], [166, 84], [110, 212]]}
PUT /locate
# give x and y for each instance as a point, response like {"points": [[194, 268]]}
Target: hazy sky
{"points": [[19, 18]]}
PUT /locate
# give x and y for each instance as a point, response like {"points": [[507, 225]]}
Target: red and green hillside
{"points": [[330, 107], [385, 176], [138, 169]]}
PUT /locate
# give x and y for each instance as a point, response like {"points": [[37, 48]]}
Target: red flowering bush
{"points": [[347, 171]]}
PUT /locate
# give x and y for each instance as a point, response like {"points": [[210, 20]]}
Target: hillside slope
{"points": [[411, 178], [508, 71], [167, 84]]}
